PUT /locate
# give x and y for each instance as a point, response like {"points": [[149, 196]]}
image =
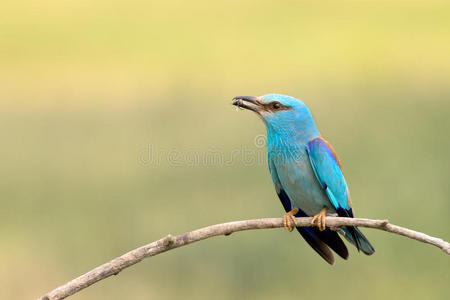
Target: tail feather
{"points": [[357, 238], [319, 246], [354, 235], [319, 240], [332, 239]]}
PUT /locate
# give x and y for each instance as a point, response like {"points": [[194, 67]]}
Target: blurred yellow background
{"points": [[91, 89]]}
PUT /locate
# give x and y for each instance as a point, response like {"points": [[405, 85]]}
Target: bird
{"points": [[306, 173]]}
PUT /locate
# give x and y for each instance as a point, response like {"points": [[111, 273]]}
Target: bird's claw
{"points": [[289, 218], [320, 218]]}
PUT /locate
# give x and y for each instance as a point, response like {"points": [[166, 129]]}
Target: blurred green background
{"points": [[90, 90]]}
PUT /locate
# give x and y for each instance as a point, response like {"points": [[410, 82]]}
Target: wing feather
{"points": [[328, 171]]}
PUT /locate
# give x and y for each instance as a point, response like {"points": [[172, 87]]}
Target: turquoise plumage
{"points": [[306, 172]]}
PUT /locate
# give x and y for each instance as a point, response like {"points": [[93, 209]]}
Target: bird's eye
{"points": [[276, 105]]}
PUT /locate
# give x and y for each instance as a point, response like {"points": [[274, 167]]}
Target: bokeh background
{"points": [[92, 91]]}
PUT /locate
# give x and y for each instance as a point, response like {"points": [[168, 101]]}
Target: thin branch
{"points": [[170, 242]]}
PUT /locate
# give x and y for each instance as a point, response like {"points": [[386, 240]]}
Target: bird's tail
{"points": [[355, 236]]}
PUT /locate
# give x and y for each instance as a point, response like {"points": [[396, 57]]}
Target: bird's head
{"points": [[283, 115]]}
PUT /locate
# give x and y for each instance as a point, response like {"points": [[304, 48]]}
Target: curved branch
{"points": [[170, 242]]}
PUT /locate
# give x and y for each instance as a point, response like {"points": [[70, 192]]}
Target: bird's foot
{"points": [[320, 218], [289, 218]]}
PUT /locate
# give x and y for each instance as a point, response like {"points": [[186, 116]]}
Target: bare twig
{"points": [[170, 242]]}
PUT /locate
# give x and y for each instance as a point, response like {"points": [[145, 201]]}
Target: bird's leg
{"points": [[320, 217], [290, 217]]}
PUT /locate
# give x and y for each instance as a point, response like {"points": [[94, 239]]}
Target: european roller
{"points": [[306, 172]]}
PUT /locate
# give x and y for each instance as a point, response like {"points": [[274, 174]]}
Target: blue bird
{"points": [[306, 172]]}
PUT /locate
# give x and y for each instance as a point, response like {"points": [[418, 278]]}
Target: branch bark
{"points": [[170, 242]]}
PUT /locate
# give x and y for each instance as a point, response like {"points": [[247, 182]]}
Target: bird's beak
{"points": [[248, 102]]}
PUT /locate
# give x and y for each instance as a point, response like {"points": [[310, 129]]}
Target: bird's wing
{"points": [[318, 240], [327, 167]]}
